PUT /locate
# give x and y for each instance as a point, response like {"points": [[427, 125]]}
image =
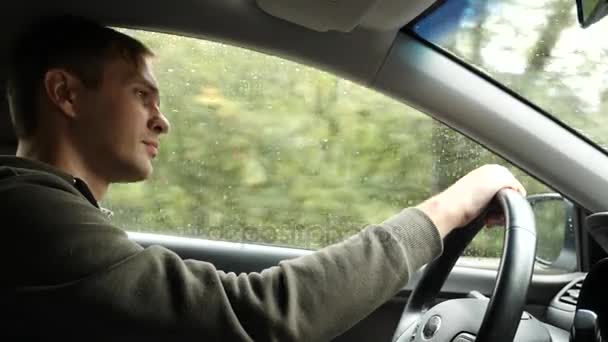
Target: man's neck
{"points": [[60, 159]]}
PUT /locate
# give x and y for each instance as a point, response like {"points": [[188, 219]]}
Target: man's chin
{"points": [[145, 173], [137, 174]]}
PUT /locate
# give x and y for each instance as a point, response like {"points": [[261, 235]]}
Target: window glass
{"points": [[264, 150], [537, 49]]}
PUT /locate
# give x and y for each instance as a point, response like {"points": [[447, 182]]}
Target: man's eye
{"points": [[141, 94]]}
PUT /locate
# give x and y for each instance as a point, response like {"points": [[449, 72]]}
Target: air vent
{"points": [[570, 296]]}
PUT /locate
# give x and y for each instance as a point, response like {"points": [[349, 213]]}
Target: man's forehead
{"points": [[130, 70], [146, 72]]}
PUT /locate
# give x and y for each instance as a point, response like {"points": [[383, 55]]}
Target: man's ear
{"points": [[62, 89]]}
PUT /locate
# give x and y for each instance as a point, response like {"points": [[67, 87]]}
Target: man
{"points": [[85, 107]]}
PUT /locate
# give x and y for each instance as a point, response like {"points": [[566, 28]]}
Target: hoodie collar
{"points": [[30, 164]]}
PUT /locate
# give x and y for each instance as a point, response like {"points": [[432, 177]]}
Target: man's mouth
{"points": [[152, 147]]}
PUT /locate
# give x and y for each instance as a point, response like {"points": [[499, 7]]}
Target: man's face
{"points": [[121, 122]]}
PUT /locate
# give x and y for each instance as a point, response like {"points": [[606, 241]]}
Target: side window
{"points": [[264, 150]]}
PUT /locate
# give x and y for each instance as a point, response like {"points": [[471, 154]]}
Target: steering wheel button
{"points": [[431, 327]]}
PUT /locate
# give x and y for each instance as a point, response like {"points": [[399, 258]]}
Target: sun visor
{"points": [[345, 15]]}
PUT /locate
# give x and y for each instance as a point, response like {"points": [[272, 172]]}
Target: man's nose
{"points": [[159, 124]]}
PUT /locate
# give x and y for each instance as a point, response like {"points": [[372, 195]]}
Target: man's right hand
{"points": [[465, 200]]}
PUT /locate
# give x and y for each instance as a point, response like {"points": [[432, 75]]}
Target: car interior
{"points": [[377, 44]]}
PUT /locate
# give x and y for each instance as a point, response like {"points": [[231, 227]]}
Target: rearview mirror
{"points": [[591, 11]]}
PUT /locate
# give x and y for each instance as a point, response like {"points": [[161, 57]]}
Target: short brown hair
{"points": [[76, 44]]}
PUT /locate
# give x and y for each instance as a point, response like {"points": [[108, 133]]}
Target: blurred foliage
{"points": [[268, 151]]}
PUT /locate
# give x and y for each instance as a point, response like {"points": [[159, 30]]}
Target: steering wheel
{"points": [[459, 320]]}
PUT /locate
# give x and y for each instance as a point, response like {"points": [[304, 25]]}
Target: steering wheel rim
{"points": [[503, 312]]}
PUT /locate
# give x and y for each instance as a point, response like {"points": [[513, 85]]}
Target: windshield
{"points": [[537, 49]]}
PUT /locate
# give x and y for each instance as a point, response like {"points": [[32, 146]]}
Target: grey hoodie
{"points": [[73, 275]]}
